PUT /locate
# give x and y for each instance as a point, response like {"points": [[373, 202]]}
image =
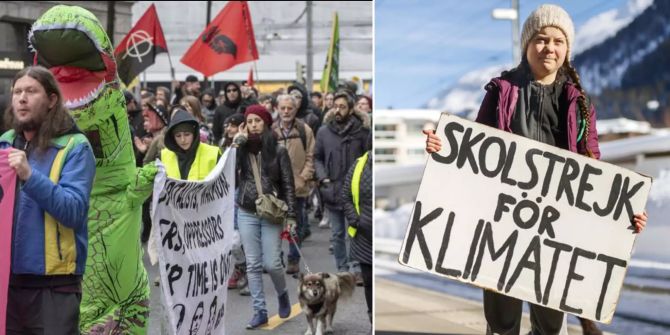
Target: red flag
{"points": [[137, 51], [250, 79], [227, 41]]}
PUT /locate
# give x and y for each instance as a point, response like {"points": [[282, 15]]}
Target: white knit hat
{"points": [[543, 16]]}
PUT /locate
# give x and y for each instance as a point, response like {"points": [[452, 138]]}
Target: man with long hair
{"points": [[56, 167]]}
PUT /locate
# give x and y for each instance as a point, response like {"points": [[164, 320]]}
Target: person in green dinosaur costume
{"points": [[72, 43]]}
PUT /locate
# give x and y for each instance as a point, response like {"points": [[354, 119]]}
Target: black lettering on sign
{"points": [[174, 273], [465, 152], [449, 130], [216, 190], [614, 196], [572, 275], [487, 243], [172, 237], [502, 156], [181, 195], [503, 200], [534, 213], [473, 248], [611, 262], [415, 232], [443, 250], [558, 247], [205, 278], [225, 267], [198, 279], [504, 178], [570, 173], [584, 186], [167, 191], [213, 268], [532, 169], [191, 280], [534, 250], [549, 214], [182, 312], [204, 232], [624, 199], [553, 158]]}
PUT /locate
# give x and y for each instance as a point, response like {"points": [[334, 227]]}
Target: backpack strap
{"points": [[302, 134]]}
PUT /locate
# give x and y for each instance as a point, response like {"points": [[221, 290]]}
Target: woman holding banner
{"points": [[263, 164], [541, 99], [184, 156]]}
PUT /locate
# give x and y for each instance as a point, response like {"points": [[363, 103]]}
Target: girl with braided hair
{"points": [[541, 99]]}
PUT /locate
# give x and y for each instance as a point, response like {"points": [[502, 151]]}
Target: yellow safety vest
{"points": [[204, 162], [356, 188]]}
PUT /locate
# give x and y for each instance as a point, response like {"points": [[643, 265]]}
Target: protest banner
{"points": [[7, 197], [193, 223], [525, 219]]}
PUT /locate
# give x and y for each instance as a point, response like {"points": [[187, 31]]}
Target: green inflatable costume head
{"points": [[71, 42]]}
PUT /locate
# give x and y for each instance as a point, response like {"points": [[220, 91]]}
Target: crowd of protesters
{"points": [[304, 145]]}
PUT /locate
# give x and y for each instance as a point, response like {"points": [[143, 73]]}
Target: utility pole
{"points": [[511, 14], [111, 16], [310, 51], [515, 34]]}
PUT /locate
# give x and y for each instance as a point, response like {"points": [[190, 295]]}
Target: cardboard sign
{"points": [[7, 198], [194, 222], [525, 219]]}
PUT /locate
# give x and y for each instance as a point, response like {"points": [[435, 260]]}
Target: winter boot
{"points": [[260, 318], [589, 327], [293, 267], [284, 306]]}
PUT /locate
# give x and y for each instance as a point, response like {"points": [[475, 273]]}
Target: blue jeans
{"points": [[301, 223], [262, 245], [338, 226]]}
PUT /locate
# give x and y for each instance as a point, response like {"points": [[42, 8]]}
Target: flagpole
{"points": [[256, 70], [329, 58], [171, 67]]}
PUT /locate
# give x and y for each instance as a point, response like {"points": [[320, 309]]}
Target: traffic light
{"points": [[300, 72]]}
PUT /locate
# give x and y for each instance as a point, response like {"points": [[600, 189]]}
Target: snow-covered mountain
{"points": [[608, 45], [465, 97], [605, 65]]}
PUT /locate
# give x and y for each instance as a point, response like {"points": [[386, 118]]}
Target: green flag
{"points": [[331, 69]]}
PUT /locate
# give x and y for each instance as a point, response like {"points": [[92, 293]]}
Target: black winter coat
{"points": [[223, 111], [277, 179], [361, 244], [337, 148]]}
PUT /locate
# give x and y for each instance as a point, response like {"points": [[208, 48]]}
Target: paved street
{"points": [[351, 317]]}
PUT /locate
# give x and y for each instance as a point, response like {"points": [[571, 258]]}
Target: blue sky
{"points": [[425, 46]]}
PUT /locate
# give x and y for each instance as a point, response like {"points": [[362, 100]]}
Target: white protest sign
{"points": [[525, 219], [193, 222]]}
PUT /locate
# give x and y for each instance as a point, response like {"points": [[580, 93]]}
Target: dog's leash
{"points": [[293, 238]]}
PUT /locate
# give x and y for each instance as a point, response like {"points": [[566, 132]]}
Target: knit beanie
{"points": [[161, 112], [262, 113], [236, 119], [547, 15]]}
